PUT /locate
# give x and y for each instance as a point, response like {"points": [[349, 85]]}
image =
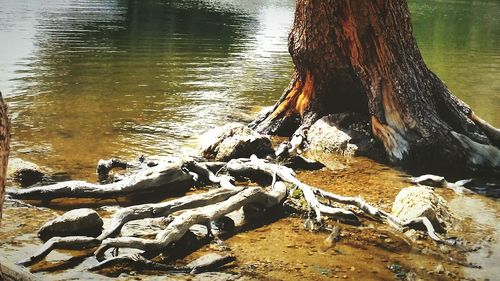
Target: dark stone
{"points": [[78, 222], [346, 134], [25, 173], [232, 141]]}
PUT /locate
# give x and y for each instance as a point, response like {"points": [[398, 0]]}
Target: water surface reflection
{"points": [[93, 79]]}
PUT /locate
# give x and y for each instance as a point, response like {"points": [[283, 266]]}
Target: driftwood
{"points": [[70, 242], [208, 207], [11, 272], [130, 214], [255, 165], [203, 215], [166, 175], [105, 166], [438, 181]]}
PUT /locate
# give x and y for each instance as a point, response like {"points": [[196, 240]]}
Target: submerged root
{"points": [[138, 261]]}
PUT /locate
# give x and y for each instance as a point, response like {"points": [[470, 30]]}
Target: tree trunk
{"points": [[4, 149], [361, 56]]}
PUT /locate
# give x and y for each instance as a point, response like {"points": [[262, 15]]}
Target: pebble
{"points": [[439, 269]]}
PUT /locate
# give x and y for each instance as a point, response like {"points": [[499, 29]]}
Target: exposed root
{"points": [[294, 145], [253, 165], [210, 206], [130, 214], [438, 181], [105, 166], [165, 209], [72, 242], [166, 176], [202, 170], [395, 144], [481, 157], [428, 225], [203, 215], [492, 132]]}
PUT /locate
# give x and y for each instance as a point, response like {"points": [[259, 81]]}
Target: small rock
{"points": [[421, 201], [332, 239], [344, 134], [234, 140], [224, 225], [439, 269], [311, 225], [78, 222], [25, 173]]}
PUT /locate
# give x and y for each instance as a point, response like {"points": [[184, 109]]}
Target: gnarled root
{"points": [[203, 215], [130, 214], [210, 206], [71, 242], [167, 175], [255, 165]]}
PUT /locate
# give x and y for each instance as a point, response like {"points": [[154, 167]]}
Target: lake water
{"points": [[87, 80], [93, 79]]}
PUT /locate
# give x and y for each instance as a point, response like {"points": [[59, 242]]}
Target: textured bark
{"points": [[361, 56], [4, 149]]}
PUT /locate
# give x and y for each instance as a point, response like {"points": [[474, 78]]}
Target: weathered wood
{"points": [[4, 149], [70, 242], [138, 261], [12, 272], [129, 214], [105, 166], [203, 215], [164, 209], [438, 181], [255, 165], [210, 206], [166, 176], [202, 170]]}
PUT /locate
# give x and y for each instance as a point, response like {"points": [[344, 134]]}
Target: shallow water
{"points": [[87, 80], [93, 79]]}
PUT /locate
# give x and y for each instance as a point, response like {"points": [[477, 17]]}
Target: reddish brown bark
{"points": [[4, 149], [361, 56]]}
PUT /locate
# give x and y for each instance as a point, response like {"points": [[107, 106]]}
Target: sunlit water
{"points": [[95, 79]]}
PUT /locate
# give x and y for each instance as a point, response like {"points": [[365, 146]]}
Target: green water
{"points": [[94, 79]]}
